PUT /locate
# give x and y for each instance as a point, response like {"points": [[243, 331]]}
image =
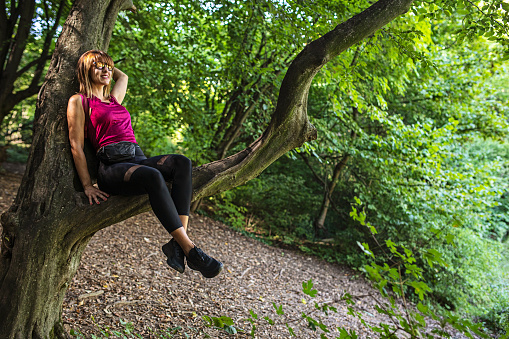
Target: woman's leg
{"points": [[184, 219], [177, 169], [135, 179], [131, 178]]}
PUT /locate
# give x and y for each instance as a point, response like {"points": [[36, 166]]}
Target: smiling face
{"points": [[95, 68], [100, 73]]}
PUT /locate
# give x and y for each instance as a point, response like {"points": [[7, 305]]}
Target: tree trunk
{"points": [[319, 223], [19, 23], [50, 222]]}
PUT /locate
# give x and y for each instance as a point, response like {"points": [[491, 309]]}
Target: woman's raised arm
{"points": [[76, 124], [120, 87]]}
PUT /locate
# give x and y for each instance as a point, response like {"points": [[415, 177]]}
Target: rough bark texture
{"points": [[50, 223]]}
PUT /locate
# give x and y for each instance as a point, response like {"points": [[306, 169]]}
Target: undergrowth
{"points": [[450, 247]]}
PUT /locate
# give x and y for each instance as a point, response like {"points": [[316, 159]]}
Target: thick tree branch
{"points": [[20, 96], [49, 224], [32, 63], [289, 127]]}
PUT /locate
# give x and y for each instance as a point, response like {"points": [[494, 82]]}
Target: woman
{"points": [[97, 113]]}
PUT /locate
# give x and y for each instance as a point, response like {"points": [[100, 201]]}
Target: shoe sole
{"points": [[211, 274], [167, 253]]}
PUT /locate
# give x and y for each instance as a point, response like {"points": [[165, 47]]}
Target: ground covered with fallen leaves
{"points": [[125, 286]]}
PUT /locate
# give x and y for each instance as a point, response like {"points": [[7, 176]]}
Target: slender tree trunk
{"points": [[233, 131], [50, 222], [319, 223], [195, 205], [12, 50]]}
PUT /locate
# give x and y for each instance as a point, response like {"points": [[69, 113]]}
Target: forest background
{"points": [[411, 122]]}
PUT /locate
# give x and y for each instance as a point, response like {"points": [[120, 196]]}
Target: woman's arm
{"points": [[120, 87], [76, 124]]}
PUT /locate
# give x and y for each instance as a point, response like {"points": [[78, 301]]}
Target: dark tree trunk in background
{"points": [[17, 21], [50, 222], [319, 224]]}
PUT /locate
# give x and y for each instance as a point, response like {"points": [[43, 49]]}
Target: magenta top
{"points": [[107, 123]]}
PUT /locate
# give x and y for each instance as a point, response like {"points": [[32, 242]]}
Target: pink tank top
{"points": [[106, 122]]}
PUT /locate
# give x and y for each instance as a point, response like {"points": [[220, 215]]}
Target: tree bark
{"points": [[47, 228], [50, 222]]}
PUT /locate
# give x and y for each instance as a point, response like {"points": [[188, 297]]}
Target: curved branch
{"points": [[51, 161], [290, 127]]}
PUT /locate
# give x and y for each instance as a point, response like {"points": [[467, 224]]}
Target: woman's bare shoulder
{"points": [[75, 99], [74, 104]]}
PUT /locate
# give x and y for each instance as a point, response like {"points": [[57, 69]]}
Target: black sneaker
{"points": [[175, 255], [197, 260]]}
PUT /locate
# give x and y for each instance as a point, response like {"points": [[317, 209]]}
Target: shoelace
{"points": [[178, 253], [200, 254]]}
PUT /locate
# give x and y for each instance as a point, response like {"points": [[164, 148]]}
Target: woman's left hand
{"points": [[95, 195]]}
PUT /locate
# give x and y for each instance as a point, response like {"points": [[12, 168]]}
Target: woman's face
{"points": [[101, 73]]}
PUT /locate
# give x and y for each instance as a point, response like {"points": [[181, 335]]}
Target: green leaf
{"points": [[217, 322], [208, 320], [227, 321], [270, 321], [307, 288], [420, 288], [230, 329], [365, 248], [422, 308], [292, 333], [279, 309]]}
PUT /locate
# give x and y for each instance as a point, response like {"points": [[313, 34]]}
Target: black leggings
{"points": [[149, 176]]}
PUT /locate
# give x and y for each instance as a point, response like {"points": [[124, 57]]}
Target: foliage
{"points": [[29, 31], [17, 126], [399, 276], [427, 156], [223, 323], [213, 68], [394, 279], [265, 198], [415, 107]]}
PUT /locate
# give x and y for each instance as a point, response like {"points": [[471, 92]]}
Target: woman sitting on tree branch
{"points": [[124, 169]]}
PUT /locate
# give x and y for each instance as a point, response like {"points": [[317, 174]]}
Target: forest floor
{"points": [[124, 284]]}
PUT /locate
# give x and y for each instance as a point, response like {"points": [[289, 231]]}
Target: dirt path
{"points": [[124, 282]]}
